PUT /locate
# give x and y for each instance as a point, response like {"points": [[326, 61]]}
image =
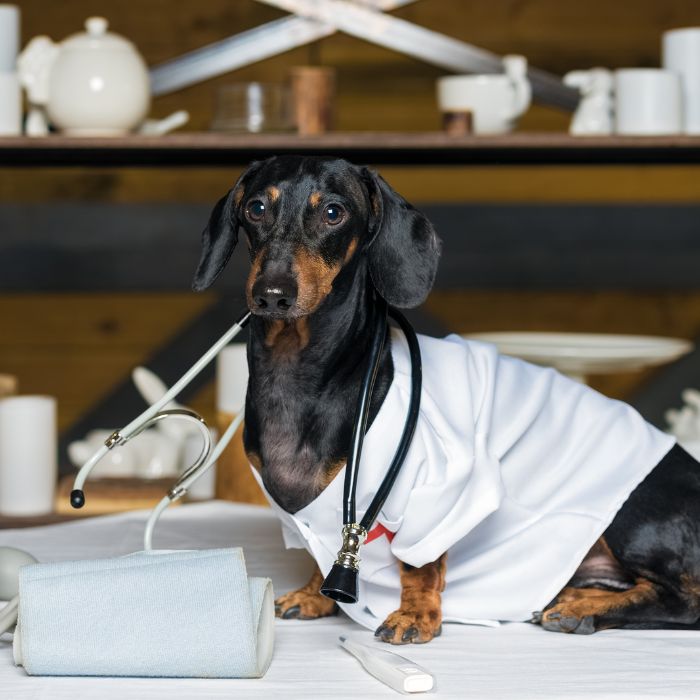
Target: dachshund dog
{"points": [[322, 235]]}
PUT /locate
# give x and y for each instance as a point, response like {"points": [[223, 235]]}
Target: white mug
{"points": [[495, 101], [10, 105], [681, 53], [28, 455], [648, 102], [9, 37]]}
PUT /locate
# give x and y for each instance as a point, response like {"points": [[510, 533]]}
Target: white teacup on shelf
{"points": [[648, 102], [494, 101]]}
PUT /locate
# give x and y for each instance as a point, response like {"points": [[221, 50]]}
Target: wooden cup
{"points": [[8, 385], [234, 480], [313, 89], [458, 123]]}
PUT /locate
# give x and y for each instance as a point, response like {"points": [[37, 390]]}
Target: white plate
{"points": [[586, 353]]}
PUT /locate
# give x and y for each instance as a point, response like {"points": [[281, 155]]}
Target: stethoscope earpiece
{"points": [[77, 498]]}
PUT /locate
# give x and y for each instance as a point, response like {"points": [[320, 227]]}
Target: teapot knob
{"points": [[96, 26]]}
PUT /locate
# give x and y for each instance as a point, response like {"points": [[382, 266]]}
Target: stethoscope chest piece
{"points": [[341, 582]]}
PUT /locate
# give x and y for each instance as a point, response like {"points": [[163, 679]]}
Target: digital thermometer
{"points": [[395, 671]]}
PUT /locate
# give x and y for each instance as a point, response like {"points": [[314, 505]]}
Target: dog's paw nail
{"points": [[387, 633], [536, 617], [569, 624], [378, 632], [586, 626], [554, 616], [291, 613], [278, 610], [438, 631], [409, 635]]}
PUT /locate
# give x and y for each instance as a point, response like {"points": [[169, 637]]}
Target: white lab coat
{"points": [[514, 470]]}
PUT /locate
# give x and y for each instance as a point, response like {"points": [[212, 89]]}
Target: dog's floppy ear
{"points": [[220, 236], [403, 249]]}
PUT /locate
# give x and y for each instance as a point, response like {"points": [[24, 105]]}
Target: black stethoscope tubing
{"points": [[409, 428], [380, 327]]}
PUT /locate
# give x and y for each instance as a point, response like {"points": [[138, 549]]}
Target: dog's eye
{"points": [[255, 210], [333, 214]]}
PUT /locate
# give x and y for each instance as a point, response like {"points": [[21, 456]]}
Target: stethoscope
{"points": [[341, 582]]}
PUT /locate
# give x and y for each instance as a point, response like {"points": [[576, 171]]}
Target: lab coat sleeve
{"points": [[449, 499]]}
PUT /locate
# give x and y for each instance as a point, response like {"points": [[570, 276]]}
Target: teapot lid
{"points": [[96, 36]]}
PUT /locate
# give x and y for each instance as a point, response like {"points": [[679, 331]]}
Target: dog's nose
{"points": [[274, 297]]}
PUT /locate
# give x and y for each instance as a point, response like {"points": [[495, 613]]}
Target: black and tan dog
{"points": [[321, 233]]}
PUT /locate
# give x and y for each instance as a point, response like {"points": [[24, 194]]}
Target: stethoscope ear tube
{"points": [[409, 427], [379, 310], [341, 584], [155, 413]]}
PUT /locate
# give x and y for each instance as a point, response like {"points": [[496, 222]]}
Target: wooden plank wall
{"points": [[76, 346]]}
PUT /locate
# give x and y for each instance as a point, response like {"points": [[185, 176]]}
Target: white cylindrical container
{"points": [[681, 53], [10, 105], [231, 378], [648, 102], [28, 455], [9, 37]]}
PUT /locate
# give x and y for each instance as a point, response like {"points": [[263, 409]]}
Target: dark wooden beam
{"points": [[99, 246]]}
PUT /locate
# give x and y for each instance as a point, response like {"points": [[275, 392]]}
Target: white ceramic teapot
{"points": [[93, 83], [495, 101]]}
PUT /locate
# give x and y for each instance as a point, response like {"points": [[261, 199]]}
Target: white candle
{"points": [[28, 455], [231, 378]]}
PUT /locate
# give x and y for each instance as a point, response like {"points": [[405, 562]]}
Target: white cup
{"points": [[648, 102], [231, 378], [28, 455], [10, 105], [494, 101], [9, 37], [681, 53]]}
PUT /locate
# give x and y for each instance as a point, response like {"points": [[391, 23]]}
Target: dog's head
{"points": [[304, 220]]}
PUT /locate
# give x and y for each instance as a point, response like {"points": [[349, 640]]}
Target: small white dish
{"points": [[581, 354]]}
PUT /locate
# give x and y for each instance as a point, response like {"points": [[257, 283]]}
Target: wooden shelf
{"points": [[418, 148]]}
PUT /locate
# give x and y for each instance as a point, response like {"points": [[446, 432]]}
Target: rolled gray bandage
{"points": [[159, 614]]}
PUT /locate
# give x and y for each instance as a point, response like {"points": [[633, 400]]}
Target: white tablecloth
{"points": [[513, 661]]}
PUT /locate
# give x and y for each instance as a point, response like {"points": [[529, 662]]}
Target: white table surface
{"points": [[513, 661]]}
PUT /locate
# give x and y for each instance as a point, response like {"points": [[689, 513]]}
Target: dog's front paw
{"points": [[304, 604], [563, 617], [410, 626]]}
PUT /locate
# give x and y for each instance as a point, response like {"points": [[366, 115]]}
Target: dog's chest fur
{"points": [[300, 411]]}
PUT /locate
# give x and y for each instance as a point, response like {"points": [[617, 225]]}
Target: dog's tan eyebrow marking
{"points": [[238, 195], [273, 193], [314, 199]]}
